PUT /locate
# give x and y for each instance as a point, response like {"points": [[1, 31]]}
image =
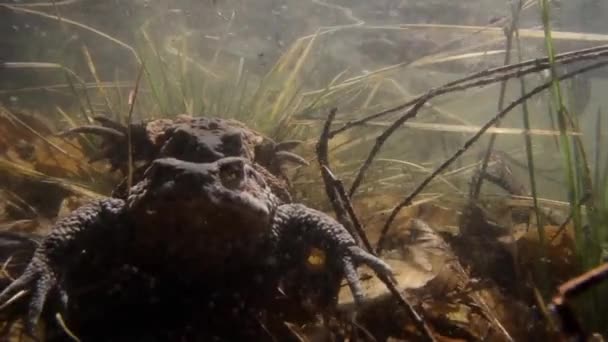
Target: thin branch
{"points": [[46, 4], [501, 101], [421, 100], [407, 201], [129, 133], [582, 283], [536, 65], [570, 289], [339, 187], [334, 187], [323, 159], [381, 139]]}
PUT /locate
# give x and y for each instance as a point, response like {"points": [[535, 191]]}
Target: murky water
{"points": [[475, 265]]}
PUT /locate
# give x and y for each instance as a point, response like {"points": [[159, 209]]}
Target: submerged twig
{"points": [[333, 187], [339, 187], [471, 141], [570, 289], [322, 157], [46, 4], [535, 65], [455, 86], [501, 101], [381, 139], [582, 283], [129, 133]]}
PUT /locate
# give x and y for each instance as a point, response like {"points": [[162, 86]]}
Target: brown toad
{"points": [[189, 219], [194, 139]]}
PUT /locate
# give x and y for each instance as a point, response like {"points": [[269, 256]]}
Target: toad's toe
{"points": [[39, 280], [356, 255]]}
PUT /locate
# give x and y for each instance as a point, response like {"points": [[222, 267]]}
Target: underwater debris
{"points": [[37, 170]]}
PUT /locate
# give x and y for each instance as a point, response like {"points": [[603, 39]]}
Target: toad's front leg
{"points": [[298, 228], [81, 231]]}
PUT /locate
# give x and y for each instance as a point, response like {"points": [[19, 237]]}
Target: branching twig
{"points": [[381, 139], [129, 134], [334, 188], [501, 101], [322, 156], [570, 289], [450, 87], [339, 187], [536, 65], [471, 141]]}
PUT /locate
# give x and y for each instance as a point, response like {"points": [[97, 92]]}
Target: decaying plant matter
{"points": [[340, 200]]}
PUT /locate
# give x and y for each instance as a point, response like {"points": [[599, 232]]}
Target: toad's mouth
{"points": [[243, 204]]}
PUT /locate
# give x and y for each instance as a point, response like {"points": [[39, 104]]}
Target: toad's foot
{"points": [[298, 228], [39, 279], [114, 137], [276, 156], [44, 276]]}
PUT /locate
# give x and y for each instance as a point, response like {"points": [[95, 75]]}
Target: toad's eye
{"points": [[231, 175]]}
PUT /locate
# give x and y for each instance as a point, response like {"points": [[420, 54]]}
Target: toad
{"points": [[191, 218], [194, 139]]}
